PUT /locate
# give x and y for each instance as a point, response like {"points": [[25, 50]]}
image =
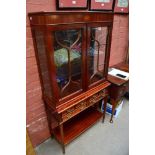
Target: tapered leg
{"points": [[113, 102], [105, 106], [62, 137]]}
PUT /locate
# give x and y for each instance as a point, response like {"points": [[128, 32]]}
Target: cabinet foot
{"points": [[63, 149], [111, 121], [102, 120]]}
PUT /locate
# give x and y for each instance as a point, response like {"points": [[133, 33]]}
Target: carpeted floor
{"points": [[100, 139]]}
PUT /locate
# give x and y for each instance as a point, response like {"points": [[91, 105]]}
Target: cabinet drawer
{"points": [[98, 96], [74, 110], [81, 106], [68, 111], [67, 114]]}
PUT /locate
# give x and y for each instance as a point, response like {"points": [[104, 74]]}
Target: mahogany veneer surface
{"points": [[77, 125]]}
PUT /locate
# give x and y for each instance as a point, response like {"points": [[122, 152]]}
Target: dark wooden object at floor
{"points": [[72, 51], [118, 87]]}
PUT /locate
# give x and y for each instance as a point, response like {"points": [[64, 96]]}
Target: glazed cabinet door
{"points": [[68, 49], [98, 48]]}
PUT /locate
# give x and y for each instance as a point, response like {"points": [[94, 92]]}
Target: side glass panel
{"points": [[68, 60], [39, 35], [96, 54]]}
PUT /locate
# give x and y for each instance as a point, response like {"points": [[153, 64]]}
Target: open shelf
{"points": [[77, 125]]}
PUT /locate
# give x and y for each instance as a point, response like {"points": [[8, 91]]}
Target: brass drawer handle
{"points": [[84, 103], [92, 101], [82, 108], [70, 110]]}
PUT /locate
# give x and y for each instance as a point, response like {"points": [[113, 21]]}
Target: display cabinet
{"points": [[72, 51]]}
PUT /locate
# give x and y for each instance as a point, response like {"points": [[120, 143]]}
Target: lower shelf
{"points": [[77, 125]]}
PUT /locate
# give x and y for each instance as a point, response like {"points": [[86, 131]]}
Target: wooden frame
{"points": [[121, 9], [71, 4], [101, 5]]}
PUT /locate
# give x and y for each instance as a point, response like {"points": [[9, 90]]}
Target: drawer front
{"points": [[74, 110], [83, 105], [96, 97]]}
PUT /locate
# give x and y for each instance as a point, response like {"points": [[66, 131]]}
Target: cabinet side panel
{"points": [[42, 58]]}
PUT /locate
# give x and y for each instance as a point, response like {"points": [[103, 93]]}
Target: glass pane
{"points": [[39, 35], [96, 54], [68, 60]]}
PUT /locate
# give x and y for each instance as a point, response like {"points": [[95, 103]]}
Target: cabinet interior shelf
{"points": [[77, 125]]}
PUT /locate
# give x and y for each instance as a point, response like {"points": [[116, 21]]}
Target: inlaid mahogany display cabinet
{"points": [[72, 51]]}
